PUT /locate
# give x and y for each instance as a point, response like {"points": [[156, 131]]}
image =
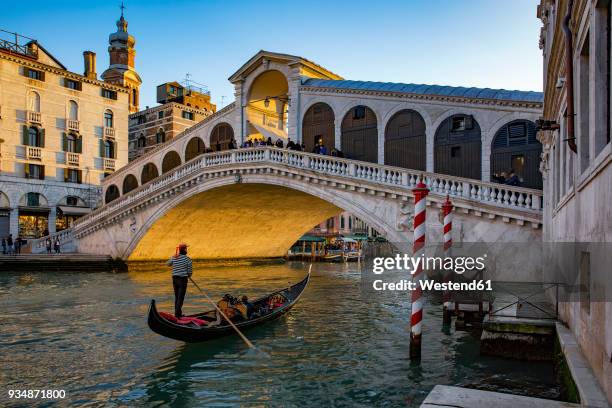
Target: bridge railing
{"points": [[501, 195]]}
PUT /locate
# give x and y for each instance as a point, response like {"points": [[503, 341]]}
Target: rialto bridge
{"points": [[255, 202]]}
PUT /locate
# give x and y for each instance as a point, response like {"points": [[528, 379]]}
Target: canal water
{"points": [[340, 346]]}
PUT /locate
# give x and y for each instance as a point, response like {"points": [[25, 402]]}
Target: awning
{"points": [[26, 209], [356, 238], [68, 210], [311, 238]]}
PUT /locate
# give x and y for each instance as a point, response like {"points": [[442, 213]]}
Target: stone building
{"points": [[180, 108], [61, 132], [576, 165]]}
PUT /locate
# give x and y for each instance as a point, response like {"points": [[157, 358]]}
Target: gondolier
{"points": [[182, 268]]}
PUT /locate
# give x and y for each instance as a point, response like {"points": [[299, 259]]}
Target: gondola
{"points": [[270, 307]]}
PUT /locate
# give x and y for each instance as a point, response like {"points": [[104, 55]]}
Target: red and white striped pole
{"points": [[416, 318], [447, 213]]}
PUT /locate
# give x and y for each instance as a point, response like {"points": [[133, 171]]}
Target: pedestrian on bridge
{"points": [[182, 268]]}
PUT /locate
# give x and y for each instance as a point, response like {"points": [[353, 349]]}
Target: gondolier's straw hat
{"points": [[179, 247]]}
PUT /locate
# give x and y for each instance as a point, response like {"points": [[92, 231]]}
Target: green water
{"points": [[340, 346]]}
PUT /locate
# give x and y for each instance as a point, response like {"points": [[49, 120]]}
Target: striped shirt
{"points": [[181, 265]]}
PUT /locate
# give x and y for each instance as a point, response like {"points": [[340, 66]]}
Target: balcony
{"points": [[73, 159], [109, 132], [72, 125], [34, 117], [109, 164], [33, 153]]}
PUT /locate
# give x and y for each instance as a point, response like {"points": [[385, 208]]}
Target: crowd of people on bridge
{"points": [[319, 147], [509, 178]]}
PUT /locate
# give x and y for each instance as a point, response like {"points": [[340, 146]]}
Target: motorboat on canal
{"points": [[195, 328]]}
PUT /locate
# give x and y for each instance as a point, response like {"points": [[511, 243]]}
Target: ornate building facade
{"points": [[61, 132], [575, 42]]}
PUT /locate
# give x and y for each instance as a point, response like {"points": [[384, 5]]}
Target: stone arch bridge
{"points": [[256, 202]]}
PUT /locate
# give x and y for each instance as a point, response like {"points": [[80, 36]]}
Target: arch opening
{"points": [[194, 148], [267, 107], [318, 126], [515, 147], [149, 172], [221, 136], [360, 134], [129, 183], [405, 140], [112, 193], [171, 160], [458, 147]]}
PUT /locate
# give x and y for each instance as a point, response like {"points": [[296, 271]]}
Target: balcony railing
{"points": [[109, 132], [72, 125], [34, 117], [109, 164], [73, 159], [33, 153]]}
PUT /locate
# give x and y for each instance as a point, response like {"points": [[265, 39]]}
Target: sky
{"points": [[482, 43]]}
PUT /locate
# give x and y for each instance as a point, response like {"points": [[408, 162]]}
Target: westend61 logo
{"points": [[458, 265]]}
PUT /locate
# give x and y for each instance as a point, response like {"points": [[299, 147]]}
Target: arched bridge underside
{"points": [[252, 203]]}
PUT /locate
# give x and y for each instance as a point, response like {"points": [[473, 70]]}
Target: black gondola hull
{"points": [[190, 334]]}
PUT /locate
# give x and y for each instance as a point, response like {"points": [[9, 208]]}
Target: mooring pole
{"points": [[420, 192], [447, 213]]}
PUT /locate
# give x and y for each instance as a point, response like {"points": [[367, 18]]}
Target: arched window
{"points": [[405, 140], [34, 102], [457, 147], [33, 136], [73, 113], [108, 118], [318, 126], [221, 136], [142, 141], [160, 136], [515, 147], [360, 134], [71, 143]]}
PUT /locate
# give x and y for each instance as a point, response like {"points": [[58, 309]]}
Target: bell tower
{"points": [[122, 55]]}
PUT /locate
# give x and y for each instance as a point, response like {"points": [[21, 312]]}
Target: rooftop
{"points": [[421, 89]]}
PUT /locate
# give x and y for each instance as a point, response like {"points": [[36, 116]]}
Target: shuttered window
{"points": [[72, 84], [107, 93], [34, 74]]}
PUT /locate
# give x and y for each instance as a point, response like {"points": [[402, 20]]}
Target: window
{"points": [[359, 112], [134, 96], [72, 200], [33, 137], [142, 141], [350, 222], [108, 119], [72, 176], [160, 115], [142, 119], [35, 74], [72, 143], [34, 102], [107, 93], [161, 136], [73, 110], [34, 171], [72, 84], [109, 149], [458, 124], [518, 165], [341, 222], [584, 105], [330, 223], [33, 199], [188, 115], [456, 151]]}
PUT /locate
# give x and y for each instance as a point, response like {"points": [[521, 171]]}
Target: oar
{"points": [[247, 341]]}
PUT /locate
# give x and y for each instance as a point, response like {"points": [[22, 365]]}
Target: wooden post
{"points": [[447, 212], [416, 318]]}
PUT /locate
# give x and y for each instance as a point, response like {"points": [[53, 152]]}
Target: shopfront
{"points": [[33, 216], [66, 215]]}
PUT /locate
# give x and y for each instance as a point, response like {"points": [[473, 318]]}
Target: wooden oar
{"points": [[247, 341]]}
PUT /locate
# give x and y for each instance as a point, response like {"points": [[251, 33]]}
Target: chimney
{"points": [[89, 58]]}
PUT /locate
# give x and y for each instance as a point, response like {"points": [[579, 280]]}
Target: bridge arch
{"points": [[359, 134], [171, 160], [129, 183], [149, 172], [278, 215], [458, 147], [318, 123], [406, 140], [112, 193], [194, 148]]}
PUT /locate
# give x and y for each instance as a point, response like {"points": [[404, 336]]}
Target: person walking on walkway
{"points": [[3, 246], [48, 244], [9, 243], [17, 245], [182, 268], [56, 246]]}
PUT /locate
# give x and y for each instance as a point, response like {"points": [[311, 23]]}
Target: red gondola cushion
{"points": [[169, 317], [195, 320]]}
